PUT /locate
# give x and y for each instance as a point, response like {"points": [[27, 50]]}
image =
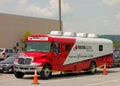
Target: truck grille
{"points": [[25, 61]]}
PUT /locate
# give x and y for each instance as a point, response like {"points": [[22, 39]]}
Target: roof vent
{"points": [[69, 34], [92, 35], [82, 35], [56, 33]]}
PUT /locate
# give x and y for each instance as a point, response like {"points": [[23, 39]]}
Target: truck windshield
{"points": [[38, 46]]}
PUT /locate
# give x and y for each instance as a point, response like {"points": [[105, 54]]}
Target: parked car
{"points": [[116, 58], [7, 65], [6, 52]]}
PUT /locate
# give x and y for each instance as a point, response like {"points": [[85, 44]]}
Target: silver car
{"points": [[5, 52]]}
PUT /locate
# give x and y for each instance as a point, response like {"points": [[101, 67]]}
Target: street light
{"points": [[60, 25]]}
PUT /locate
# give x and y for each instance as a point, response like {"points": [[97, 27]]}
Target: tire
{"points": [[1, 71], [46, 72], [18, 74], [92, 68], [119, 64]]}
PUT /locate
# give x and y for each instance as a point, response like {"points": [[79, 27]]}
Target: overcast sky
{"points": [[87, 16]]}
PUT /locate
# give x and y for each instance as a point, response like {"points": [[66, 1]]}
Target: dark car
{"points": [[116, 58], [7, 64]]}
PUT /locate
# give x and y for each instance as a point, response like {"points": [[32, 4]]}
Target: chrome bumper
{"points": [[27, 68]]}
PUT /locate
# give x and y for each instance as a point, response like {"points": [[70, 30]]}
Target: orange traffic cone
{"points": [[104, 70], [35, 80]]}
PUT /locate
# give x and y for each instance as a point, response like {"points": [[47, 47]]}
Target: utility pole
{"points": [[60, 21]]}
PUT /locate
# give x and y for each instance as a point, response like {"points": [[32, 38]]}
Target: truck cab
{"points": [[44, 53]]}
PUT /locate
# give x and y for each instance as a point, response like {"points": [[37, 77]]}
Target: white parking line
{"points": [[59, 80], [8, 80], [102, 82]]}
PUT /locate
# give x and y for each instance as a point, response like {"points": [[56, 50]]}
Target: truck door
{"points": [[57, 55]]}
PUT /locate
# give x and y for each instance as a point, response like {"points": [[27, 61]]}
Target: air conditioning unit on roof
{"points": [[56, 33], [69, 34], [92, 35], [82, 35]]}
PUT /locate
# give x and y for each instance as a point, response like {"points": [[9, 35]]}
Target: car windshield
{"points": [[38, 46], [10, 59], [1, 50], [117, 53]]}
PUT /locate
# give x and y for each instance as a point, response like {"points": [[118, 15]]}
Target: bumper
{"points": [[27, 69], [1, 69], [6, 69]]}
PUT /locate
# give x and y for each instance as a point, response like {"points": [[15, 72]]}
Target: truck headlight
{"points": [[35, 64]]}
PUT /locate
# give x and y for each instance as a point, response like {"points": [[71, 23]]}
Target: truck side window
{"points": [[67, 47], [100, 47], [57, 48], [52, 47]]}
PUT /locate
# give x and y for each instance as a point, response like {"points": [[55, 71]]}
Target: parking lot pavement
{"points": [[82, 79]]}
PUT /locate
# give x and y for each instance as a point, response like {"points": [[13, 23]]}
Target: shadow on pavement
{"points": [[73, 75]]}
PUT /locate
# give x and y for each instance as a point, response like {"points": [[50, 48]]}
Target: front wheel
{"points": [[18, 74], [46, 72]]}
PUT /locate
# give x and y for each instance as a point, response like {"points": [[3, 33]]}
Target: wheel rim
{"points": [[10, 70], [46, 72], [93, 68]]}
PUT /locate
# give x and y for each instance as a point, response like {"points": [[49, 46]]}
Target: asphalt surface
{"points": [[81, 79]]}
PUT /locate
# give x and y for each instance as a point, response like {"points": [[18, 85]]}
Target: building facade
{"points": [[13, 27]]}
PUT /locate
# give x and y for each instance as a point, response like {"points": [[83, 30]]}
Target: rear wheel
{"points": [[92, 68], [118, 64], [46, 72], [18, 74]]}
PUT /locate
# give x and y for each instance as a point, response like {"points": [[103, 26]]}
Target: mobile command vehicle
{"points": [[66, 52]]}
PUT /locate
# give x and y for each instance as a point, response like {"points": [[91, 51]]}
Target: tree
{"points": [[25, 35], [116, 44], [23, 39]]}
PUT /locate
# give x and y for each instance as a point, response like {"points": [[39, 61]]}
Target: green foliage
{"points": [[25, 35], [114, 38], [116, 44], [23, 39], [111, 37]]}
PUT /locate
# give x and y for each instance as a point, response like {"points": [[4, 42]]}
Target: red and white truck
{"points": [[65, 52]]}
